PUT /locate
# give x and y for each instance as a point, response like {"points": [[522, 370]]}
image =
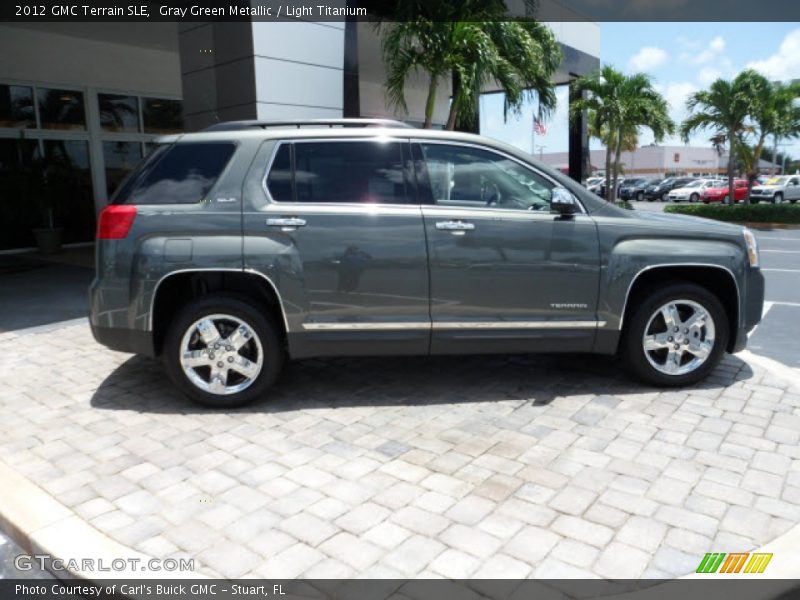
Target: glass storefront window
{"points": [[16, 106], [19, 185], [61, 109], [119, 113], [120, 159], [162, 116], [67, 188]]}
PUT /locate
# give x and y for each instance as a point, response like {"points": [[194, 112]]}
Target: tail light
{"points": [[115, 221]]}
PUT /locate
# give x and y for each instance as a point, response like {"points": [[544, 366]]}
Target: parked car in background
{"points": [[634, 189], [229, 250], [691, 191], [599, 188], [718, 191], [593, 181], [660, 190], [777, 189]]}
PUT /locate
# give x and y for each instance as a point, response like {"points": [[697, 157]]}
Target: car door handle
{"points": [[286, 223], [457, 227]]}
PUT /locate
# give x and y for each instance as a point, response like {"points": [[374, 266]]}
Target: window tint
{"points": [[279, 182], [366, 172], [177, 174], [463, 176]]}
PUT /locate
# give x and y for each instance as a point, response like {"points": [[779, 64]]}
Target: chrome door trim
{"points": [[452, 325], [211, 270], [683, 264], [445, 142], [376, 326], [445, 325]]}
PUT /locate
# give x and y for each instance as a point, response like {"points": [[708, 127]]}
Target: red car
{"points": [[719, 193]]}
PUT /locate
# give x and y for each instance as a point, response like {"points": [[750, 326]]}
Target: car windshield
{"points": [[694, 184], [776, 181]]}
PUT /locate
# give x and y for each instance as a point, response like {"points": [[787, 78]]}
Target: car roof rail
{"points": [[331, 123]]}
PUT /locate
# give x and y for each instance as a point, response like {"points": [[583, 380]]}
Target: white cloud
{"points": [[785, 63], [648, 58], [708, 75], [711, 52]]}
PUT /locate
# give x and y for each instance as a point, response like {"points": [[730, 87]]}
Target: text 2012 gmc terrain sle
{"points": [[231, 249]]}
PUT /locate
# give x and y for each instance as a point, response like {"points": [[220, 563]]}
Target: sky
{"points": [[681, 58]]}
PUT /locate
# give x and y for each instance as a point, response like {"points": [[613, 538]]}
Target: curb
{"points": [[40, 524]]}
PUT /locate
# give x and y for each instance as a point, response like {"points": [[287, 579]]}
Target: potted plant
{"points": [[49, 176]]}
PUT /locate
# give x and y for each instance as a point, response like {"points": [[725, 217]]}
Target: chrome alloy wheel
{"points": [[221, 354], [679, 337]]}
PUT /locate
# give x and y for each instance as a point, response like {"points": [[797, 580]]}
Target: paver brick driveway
{"points": [[460, 467]]}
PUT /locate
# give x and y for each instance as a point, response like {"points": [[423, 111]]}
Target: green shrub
{"points": [[741, 213], [624, 204]]}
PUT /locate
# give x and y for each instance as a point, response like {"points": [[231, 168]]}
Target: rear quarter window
{"points": [[181, 173]]}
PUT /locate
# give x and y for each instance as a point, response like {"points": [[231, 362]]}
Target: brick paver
{"points": [[400, 467]]}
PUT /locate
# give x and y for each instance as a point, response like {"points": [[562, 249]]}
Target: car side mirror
{"points": [[563, 202]]}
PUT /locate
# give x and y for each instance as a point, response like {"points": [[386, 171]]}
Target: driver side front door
{"points": [[506, 274]]}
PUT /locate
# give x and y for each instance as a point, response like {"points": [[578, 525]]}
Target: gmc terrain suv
{"points": [[230, 249]]}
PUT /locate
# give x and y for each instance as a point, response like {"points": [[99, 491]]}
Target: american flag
{"points": [[538, 127]]}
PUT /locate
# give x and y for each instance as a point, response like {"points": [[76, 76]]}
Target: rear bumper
{"points": [[125, 340]]}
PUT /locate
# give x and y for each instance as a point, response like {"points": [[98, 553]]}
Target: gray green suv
{"points": [[230, 250]]}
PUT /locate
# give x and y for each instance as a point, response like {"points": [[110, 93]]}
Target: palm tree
{"points": [[786, 124], [620, 105], [724, 108], [477, 44]]}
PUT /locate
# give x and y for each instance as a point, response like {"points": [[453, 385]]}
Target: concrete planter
{"points": [[48, 239]]}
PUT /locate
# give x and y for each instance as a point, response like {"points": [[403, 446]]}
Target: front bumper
{"points": [[752, 308]]}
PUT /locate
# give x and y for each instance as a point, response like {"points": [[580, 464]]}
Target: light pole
{"points": [[540, 148]]}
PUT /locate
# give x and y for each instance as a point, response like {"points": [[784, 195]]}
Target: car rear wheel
{"points": [[676, 336], [222, 352]]}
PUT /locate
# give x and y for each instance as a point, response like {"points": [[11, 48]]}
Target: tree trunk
{"points": [[731, 164], [430, 103], [452, 116], [617, 153], [774, 165], [608, 166]]}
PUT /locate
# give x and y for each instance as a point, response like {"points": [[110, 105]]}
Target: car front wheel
{"points": [[676, 335], [222, 352], [777, 198]]}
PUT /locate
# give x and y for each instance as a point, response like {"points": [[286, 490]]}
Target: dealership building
{"points": [[84, 102], [656, 160]]}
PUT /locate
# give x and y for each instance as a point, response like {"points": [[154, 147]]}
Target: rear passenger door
{"points": [[340, 234]]}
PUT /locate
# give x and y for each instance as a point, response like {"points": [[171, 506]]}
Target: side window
{"points": [[794, 181], [279, 180], [354, 171], [475, 178], [177, 174]]}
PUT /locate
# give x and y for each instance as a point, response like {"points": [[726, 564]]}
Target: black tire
{"points": [[777, 198], [694, 198], [639, 196], [726, 199], [632, 349], [268, 332]]}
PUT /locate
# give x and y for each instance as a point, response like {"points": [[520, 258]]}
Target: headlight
{"points": [[752, 247]]}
